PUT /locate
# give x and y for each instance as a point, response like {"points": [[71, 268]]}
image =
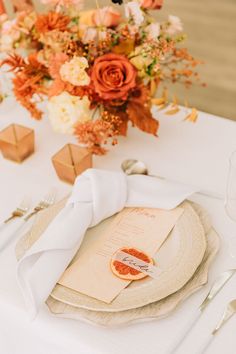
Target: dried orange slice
{"points": [[123, 271]]}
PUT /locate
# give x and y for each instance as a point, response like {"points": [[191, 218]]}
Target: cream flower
{"points": [[141, 62], [174, 25], [92, 34], [9, 35], [74, 72], [133, 11], [66, 110], [153, 30], [89, 35]]}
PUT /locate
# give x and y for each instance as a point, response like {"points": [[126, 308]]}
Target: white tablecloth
{"points": [[191, 153]]}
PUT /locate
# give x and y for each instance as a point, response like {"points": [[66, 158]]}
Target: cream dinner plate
{"points": [[153, 311], [179, 257]]}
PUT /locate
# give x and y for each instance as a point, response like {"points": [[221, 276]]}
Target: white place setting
{"points": [[193, 152], [117, 189]]}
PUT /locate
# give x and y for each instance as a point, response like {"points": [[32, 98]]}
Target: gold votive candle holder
{"points": [[17, 142], [71, 161]]}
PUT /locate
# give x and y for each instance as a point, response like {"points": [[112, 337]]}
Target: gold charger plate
{"points": [[156, 310]]}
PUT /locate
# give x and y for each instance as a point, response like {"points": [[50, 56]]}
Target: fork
{"points": [[19, 212], [46, 202], [230, 310], [219, 283]]}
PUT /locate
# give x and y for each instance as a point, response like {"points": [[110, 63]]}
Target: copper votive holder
{"points": [[17, 142], [71, 161]]}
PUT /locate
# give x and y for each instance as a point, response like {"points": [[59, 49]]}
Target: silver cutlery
{"points": [[20, 211], [46, 202], [215, 289], [230, 310], [137, 167]]}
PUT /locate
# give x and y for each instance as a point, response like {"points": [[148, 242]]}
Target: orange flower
{"points": [[51, 21], [28, 80], [113, 76], [95, 134], [152, 4]]}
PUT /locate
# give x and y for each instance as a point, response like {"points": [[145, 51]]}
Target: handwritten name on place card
{"points": [[142, 228]]}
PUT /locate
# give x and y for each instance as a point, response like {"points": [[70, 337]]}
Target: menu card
{"points": [[143, 228]]}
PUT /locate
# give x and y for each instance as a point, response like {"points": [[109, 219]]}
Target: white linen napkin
{"points": [[97, 194]]}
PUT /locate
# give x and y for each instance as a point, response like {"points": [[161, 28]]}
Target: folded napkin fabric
{"points": [[97, 195]]}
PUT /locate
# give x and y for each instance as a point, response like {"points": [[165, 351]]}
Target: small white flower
{"points": [[174, 25], [133, 11], [6, 43], [66, 110], [153, 30], [74, 72], [90, 34], [9, 35], [93, 34]]}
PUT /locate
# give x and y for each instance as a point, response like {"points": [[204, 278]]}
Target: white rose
{"points": [[74, 71], [66, 110]]}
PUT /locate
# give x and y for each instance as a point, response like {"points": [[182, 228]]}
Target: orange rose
{"points": [[152, 4], [113, 76], [107, 16]]}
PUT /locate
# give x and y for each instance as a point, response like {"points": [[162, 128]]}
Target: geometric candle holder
{"points": [[17, 142], [71, 161]]}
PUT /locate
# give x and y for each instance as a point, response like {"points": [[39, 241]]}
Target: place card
{"points": [[142, 228]]}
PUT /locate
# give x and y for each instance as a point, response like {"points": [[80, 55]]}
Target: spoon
{"points": [[137, 167]]}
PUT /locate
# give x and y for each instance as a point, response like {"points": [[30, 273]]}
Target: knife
{"points": [[215, 289]]}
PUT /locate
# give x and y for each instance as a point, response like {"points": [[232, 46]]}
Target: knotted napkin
{"points": [[97, 195]]}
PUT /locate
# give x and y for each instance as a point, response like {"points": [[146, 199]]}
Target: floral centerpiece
{"points": [[98, 70]]}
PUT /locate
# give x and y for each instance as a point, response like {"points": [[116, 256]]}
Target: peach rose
{"points": [[113, 76], [106, 16], [151, 4]]}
